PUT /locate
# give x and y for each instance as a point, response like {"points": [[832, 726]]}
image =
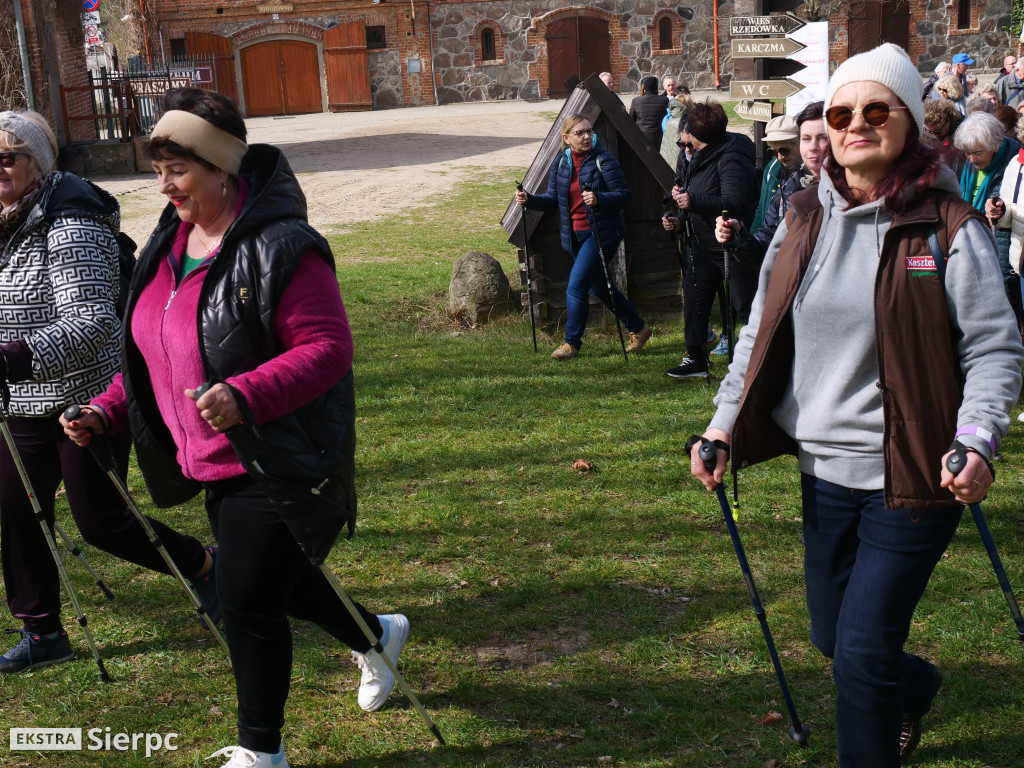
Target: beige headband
{"points": [[203, 139]]}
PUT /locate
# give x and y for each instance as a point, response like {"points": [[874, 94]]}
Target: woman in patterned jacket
{"points": [[59, 344]]}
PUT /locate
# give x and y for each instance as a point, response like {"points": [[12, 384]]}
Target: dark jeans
{"points": [[866, 568], [587, 276], [262, 579], [30, 574], [708, 273]]}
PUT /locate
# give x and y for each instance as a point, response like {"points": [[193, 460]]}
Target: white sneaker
{"points": [[1021, 416], [240, 757], [377, 681]]}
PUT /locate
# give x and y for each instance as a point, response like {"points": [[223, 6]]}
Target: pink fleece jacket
{"points": [[310, 324]]}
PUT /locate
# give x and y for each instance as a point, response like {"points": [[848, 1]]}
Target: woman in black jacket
{"points": [[719, 177], [648, 110]]}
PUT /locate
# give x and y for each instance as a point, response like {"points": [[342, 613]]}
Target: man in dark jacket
{"points": [[648, 109], [719, 177]]}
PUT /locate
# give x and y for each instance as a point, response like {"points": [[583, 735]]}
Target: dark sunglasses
{"points": [[684, 145], [782, 151], [875, 114], [9, 158]]}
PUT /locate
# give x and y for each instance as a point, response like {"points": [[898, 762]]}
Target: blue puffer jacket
{"points": [[602, 172]]}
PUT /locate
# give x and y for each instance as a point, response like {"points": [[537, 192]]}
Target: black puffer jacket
{"points": [[719, 178], [304, 461], [647, 111]]}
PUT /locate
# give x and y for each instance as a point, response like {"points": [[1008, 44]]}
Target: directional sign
{"points": [[763, 89], [767, 47], [754, 110], [764, 25]]}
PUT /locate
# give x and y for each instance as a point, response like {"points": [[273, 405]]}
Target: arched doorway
{"points": [[873, 22], [577, 46], [281, 77]]}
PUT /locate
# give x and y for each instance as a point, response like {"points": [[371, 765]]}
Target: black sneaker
{"points": [[689, 369], [35, 651], [205, 587], [910, 731]]}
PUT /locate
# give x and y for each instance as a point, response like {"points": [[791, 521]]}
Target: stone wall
{"points": [[385, 78]]}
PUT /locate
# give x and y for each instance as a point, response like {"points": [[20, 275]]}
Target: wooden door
{"points": [[280, 77], [301, 75], [348, 74], [594, 42], [577, 46], [872, 23], [205, 44], [262, 81]]}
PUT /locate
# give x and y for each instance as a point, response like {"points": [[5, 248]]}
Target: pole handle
{"points": [[708, 455], [957, 461], [97, 446]]}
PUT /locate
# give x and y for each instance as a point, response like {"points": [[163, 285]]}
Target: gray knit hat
{"points": [[887, 65], [32, 136]]}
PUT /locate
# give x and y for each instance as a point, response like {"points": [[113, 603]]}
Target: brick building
{"points": [[56, 52], [319, 55]]}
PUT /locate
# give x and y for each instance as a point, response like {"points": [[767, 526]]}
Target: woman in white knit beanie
{"points": [[879, 336]]}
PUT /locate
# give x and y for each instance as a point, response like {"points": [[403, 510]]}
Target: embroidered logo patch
{"points": [[243, 294], [919, 266]]}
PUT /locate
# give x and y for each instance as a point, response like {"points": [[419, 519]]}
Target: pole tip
{"points": [[800, 733]]}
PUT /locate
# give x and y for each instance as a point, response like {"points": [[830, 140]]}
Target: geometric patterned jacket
{"points": [[58, 289]]}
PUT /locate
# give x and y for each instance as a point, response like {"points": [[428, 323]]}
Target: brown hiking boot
{"points": [[637, 340], [565, 352]]}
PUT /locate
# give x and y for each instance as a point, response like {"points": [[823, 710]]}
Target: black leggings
{"points": [[709, 272], [30, 574], [263, 578]]}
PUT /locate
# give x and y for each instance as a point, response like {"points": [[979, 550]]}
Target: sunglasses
{"points": [[782, 151], [875, 114], [943, 91], [9, 158], [684, 145]]}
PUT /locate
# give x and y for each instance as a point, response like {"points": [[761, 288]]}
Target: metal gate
{"points": [[149, 83]]}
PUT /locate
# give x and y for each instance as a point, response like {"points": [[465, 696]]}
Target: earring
{"points": [[223, 189]]}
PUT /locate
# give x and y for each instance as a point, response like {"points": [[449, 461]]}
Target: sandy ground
{"points": [[359, 166]]}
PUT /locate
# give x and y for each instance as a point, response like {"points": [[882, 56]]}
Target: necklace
{"points": [[209, 248]]}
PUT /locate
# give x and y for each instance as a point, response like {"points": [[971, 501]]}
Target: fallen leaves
{"points": [[583, 465]]}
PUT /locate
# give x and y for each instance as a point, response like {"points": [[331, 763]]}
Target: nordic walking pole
{"points": [[529, 275], [729, 319], [607, 278], [955, 463], [47, 533], [375, 645], [77, 552], [798, 731], [98, 448]]}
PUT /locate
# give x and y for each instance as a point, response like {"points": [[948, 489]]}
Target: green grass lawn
{"points": [[559, 618]]}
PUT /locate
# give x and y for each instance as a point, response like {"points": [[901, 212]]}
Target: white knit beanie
{"points": [[888, 65]]}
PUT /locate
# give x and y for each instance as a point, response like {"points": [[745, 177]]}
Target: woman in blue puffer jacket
{"points": [[583, 177]]}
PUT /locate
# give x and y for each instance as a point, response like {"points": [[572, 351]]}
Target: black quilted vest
{"points": [[304, 461]]}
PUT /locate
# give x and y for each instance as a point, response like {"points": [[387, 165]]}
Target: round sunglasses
{"points": [[875, 114], [9, 157]]}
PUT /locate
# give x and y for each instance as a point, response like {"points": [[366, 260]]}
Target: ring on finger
{"points": [[220, 420], [977, 484]]}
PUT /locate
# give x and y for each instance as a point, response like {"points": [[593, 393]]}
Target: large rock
{"points": [[479, 289]]}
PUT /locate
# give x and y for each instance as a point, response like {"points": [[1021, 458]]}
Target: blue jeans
{"points": [[587, 276], [866, 568]]}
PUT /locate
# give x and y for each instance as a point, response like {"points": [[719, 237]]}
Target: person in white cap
{"points": [[881, 284], [780, 134]]}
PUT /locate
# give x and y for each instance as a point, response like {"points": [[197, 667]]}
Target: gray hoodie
{"points": [[832, 405]]}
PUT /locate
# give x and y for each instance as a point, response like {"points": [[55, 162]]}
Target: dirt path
{"points": [[360, 166]]}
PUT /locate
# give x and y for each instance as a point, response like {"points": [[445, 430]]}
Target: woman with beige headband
{"points": [[236, 290], [59, 338]]}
